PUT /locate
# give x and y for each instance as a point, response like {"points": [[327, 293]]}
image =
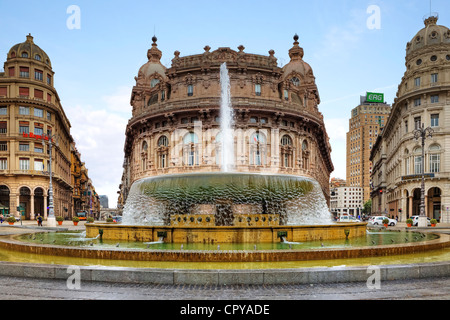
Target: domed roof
{"points": [[432, 34], [296, 64], [154, 64], [30, 50]]}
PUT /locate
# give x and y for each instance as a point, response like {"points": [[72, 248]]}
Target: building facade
{"points": [[364, 125], [346, 200], [175, 124], [423, 100], [30, 115]]}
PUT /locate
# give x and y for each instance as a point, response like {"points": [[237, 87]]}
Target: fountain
{"points": [[228, 206]]}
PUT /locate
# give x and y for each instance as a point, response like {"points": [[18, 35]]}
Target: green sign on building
{"points": [[375, 97]]}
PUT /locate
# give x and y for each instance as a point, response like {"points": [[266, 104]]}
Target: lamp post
{"points": [[422, 133], [51, 219]]}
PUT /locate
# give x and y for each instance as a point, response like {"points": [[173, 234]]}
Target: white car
{"points": [[347, 218], [415, 220], [379, 221]]}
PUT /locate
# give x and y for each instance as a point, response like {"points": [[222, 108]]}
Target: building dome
{"points": [[431, 35], [296, 65], [154, 64], [28, 50]]}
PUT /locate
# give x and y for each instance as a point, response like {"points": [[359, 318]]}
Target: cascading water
{"points": [[226, 121], [294, 200]]}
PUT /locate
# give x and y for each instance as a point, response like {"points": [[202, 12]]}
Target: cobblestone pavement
{"points": [[12, 288]]}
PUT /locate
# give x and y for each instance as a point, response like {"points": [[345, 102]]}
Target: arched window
{"points": [[24, 54], [191, 150], [435, 158], [295, 81], [258, 149], [305, 155], [154, 82], [163, 152], [37, 57], [286, 152]]}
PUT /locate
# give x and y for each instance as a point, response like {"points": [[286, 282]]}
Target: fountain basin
{"points": [[439, 242], [234, 234]]}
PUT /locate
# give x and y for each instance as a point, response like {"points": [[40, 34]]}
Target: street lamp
{"points": [[51, 219], [422, 133]]}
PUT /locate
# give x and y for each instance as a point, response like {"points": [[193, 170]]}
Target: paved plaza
{"points": [[19, 288]]}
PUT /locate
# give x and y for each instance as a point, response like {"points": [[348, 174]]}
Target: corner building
{"points": [[30, 109], [175, 124], [423, 99]]}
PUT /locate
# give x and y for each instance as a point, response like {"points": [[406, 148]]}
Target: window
{"points": [[3, 146], [38, 129], [3, 127], [39, 94], [253, 120], [190, 149], [24, 164], [417, 102], [154, 82], [435, 158], [39, 148], [49, 116], [190, 90], [406, 126], [258, 149], [24, 91], [417, 82], [286, 151], [286, 95], [24, 127], [38, 75], [38, 165], [435, 98], [295, 81], [24, 111], [37, 57], [258, 89], [11, 71], [3, 111], [24, 147], [434, 78], [163, 152], [24, 54], [38, 113], [163, 141], [434, 120], [417, 123], [24, 72], [3, 164], [49, 80]]}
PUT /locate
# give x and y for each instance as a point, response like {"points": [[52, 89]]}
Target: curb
{"points": [[226, 277]]}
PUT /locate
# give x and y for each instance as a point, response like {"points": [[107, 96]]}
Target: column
{"points": [[45, 207], [32, 207], [410, 213]]}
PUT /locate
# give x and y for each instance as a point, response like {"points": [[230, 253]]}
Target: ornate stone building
{"points": [[30, 111], [423, 99], [175, 124]]}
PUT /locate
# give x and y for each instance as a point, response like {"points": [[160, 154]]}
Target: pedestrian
{"points": [[39, 219], [1, 217]]}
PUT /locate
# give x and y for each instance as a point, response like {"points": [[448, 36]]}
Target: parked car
{"points": [[415, 220], [348, 218], [379, 221]]}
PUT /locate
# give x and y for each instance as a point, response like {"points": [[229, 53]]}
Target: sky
{"points": [[97, 47]]}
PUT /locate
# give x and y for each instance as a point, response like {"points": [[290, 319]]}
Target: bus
{"points": [[81, 215]]}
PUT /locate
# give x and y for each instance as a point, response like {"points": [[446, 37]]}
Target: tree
{"points": [[367, 207]]}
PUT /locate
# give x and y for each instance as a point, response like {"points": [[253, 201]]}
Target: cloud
{"points": [[337, 131], [99, 134]]}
